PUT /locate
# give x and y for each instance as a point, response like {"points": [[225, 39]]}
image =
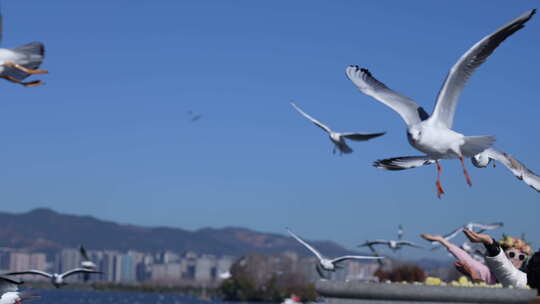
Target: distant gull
{"points": [[480, 160], [400, 232], [433, 134], [392, 244], [86, 263], [193, 117], [56, 279], [18, 63], [329, 264], [338, 139], [10, 294]]}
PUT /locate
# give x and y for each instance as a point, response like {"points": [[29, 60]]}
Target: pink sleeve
{"points": [[464, 257]]}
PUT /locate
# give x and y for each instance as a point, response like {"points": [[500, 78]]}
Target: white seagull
{"points": [[400, 232], [18, 63], [470, 226], [329, 264], [338, 139], [433, 135], [480, 160], [56, 279], [392, 244], [10, 294]]}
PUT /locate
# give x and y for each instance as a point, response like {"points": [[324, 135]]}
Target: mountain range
{"points": [[49, 231]]}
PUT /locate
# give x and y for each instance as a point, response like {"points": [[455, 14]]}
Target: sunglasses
{"points": [[512, 255]]}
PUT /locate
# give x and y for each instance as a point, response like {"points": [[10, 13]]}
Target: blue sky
{"points": [[108, 134]]}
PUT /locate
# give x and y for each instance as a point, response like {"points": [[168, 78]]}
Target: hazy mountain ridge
{"points": [[46, 230]]}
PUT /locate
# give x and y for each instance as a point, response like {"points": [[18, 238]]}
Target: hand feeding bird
{"points": [[338, 139], [56, 279], [329, 264], [16, 64], [433, 135], [470, 226]]}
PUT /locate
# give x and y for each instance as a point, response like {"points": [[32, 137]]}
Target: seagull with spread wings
{"points": [[329, 264], [480, 160], [392, 244], [18, 63], [433, 135], [86, 263], [338, 139], [56, 279]]}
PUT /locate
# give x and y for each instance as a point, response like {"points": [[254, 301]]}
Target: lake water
{"points": [[67, 296]]}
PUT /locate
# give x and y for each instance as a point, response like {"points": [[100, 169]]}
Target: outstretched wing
{"points": [[8, 284], [361, 136], [313, 120], [371, 243], [355, 257], [319, 256], [403, 105], [31, 271], [77, 270], [83, 253], [517, 168], [456, 79], [402, 163], [452, 234], [407, 243]]}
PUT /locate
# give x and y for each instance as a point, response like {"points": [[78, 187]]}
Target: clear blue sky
{"points": [[108, 134]]}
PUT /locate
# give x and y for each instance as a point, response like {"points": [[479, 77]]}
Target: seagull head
{"points": [[481, 160], [414, 134]]}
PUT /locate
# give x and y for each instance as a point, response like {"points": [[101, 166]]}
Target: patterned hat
{"points": [[508, 242]]}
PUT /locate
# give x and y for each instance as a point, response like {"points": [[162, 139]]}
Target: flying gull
{"points": [[433, 135], [10, 294], [56, 279], [16, 64], [338, 139], [392, 244], [329, 264], [480, 160]]}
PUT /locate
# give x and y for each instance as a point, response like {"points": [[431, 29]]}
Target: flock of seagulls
{"points": [[433, 134]]}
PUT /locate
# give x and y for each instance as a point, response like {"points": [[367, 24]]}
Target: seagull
{"points": [[86, 263], [10, 294], [330, 264], [394, 245], [18, 63], [470, 226], [480, 160], [516, 167], [400, 232], [338, 139], [433, 135], [193, 117], [56, 279]]}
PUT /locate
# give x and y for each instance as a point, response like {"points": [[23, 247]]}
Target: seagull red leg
{"points": [[440, 190], [465, 171]]}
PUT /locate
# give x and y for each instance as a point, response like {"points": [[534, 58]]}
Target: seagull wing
{"points": [[362, 136], [31, 271], [83, 253], [376, 242], [402, 163], [517, 168], [355, 257], [8, 284], [77, 270], [452, 234], [411, 244], [403, 105], [484, 227], [319, 256], [313, 120], [456, 79]]}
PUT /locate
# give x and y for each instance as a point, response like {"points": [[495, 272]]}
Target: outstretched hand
{"points": [[478, 237]]}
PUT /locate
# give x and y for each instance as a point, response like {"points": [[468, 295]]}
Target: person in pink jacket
{"points": [[463, 258], [502, 265]]}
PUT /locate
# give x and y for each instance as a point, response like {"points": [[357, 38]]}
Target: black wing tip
{"points": [[386, 164]]}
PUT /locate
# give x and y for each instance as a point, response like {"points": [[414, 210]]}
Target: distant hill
{"points": [[49, 231]]}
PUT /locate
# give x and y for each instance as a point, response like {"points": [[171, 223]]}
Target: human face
{"points": [[516, 257]]}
